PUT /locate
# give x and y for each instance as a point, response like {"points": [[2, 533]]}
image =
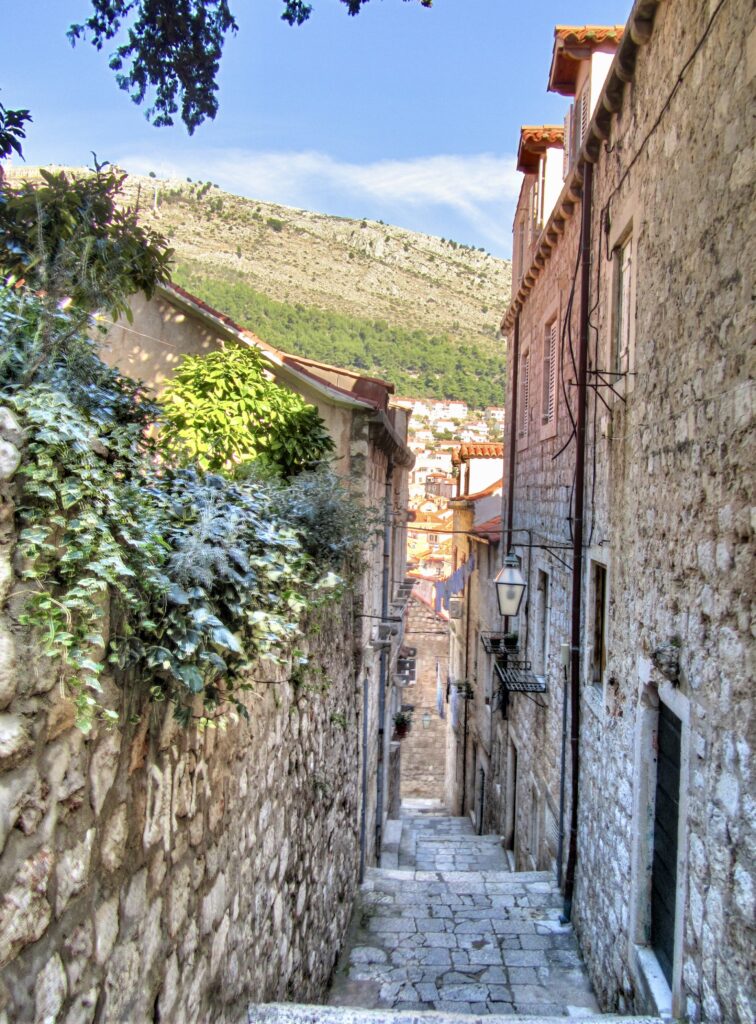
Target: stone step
{"points": [[294, 1013], [400, 877]]}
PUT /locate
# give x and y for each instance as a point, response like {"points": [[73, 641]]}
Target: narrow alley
{"points": [[450, 928]]}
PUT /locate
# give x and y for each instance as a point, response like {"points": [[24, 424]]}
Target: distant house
{"points": [[477, 465], [370, 435]]}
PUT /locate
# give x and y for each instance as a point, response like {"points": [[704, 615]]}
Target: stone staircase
{"points": [[292, 1013], [442, 932]]}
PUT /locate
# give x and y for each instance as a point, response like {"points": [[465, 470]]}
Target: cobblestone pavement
{"points": [[452, 929]]}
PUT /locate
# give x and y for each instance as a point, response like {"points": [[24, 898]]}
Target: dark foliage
{"points": [[69, 239], [12, 131], [173, 48]]}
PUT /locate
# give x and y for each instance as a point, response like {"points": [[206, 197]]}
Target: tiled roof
{"points": [[491, 529], [573, 43], [534, 139], [465, 452], [300, 367], [638, 33], [486, 492]]}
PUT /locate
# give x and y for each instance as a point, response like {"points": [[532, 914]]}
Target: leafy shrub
{"points": [[205, 574], [222, 411], [331, 524]]}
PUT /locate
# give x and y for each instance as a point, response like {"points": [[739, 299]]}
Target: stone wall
{"points": [[669, 470], [424, 750], [154, 873], [675, 490]]}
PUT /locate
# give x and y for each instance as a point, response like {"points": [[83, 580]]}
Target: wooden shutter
{"points": [[567, 151], [524, 395], [625, 314], [550, 342], [584, 102]]}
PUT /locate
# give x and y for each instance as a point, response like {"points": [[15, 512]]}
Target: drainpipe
{"points": [[464, 764], [383, 662], [577, 547], [562, 759], [363, 814], [515, 369], [467, 701], [482, 800]]}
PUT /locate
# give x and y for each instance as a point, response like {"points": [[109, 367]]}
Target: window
{"points": [[598, 621], [550, 350], [520, 248], [523, 413], [579, 121], [543, 608], [623, 308], [536, 197], [534, 204], [575, 127], [567, 151]]}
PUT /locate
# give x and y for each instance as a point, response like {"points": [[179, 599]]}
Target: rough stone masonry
{"points": [[155, 873]]}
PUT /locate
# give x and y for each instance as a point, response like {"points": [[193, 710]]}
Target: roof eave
{"points": [[638, 32]]}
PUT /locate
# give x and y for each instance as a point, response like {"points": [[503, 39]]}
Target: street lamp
{"points": [[426, 720], [510, 586]]}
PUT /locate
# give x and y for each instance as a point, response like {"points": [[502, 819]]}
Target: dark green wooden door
{"points": [[666, 819]]}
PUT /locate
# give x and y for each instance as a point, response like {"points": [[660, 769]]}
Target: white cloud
{"points": [[476, 192]]}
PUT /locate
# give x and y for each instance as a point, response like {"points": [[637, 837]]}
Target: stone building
{"points": [[156, 872], [628, 472], [370, 435], [423, 750], [470, 772]]}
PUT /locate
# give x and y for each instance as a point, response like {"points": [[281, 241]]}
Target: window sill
{"points": [[594, 699], [656, 993]]}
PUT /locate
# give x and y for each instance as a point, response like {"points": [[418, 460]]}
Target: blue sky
{"points": [[402, 114]]}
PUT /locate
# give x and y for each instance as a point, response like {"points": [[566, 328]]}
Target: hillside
{"points": [[418, 310]]}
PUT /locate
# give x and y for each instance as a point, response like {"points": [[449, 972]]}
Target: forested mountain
{"points": [[418, 362], [417, 310]]}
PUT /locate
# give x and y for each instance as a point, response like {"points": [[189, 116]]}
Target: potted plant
{"points": [[402, 724], [511, 641]]}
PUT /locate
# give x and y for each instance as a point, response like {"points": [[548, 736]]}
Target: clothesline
{"points": [[455, 584]]}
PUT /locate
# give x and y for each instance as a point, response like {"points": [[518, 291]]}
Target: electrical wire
{"points": [[660, 116]]}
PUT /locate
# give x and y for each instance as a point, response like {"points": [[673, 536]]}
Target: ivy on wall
{"points": [[205, 573]]}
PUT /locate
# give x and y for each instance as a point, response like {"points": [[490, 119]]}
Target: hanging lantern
{"points": [[510, 586]]}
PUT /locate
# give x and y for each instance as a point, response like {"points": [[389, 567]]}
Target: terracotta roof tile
{"points": [[534, 140], [486, 492], [491, 529], [573, 43], [291, 361], [465, 452]]}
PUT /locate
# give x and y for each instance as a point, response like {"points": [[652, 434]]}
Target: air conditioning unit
{"points": [[379, 638], [406, 665]]}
